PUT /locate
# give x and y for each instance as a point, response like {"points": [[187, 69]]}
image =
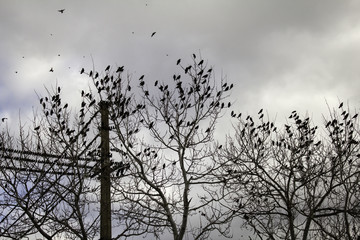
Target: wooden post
{"points": [[105, 200]]}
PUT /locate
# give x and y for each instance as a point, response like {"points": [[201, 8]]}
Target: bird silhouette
{"points": [[107, 68], [341, 104], [3, 119], [178, 61], [61, 10], [37, 128], [120, 69], [142, 77], [51, 70], [82, 71], [153, 34]]}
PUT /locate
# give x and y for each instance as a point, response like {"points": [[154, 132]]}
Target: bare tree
{"points": [[293, 183], [45, 181], [163, 133]]}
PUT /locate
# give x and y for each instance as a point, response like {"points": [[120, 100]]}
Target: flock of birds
{"points": [[61, 11], [51, 69]]}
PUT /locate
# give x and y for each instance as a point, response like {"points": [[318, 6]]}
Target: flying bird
{"points": [[153, 34], [61, 10], [51, 70]]}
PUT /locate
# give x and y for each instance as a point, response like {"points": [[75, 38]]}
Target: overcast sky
{"points": [[281, 55]]}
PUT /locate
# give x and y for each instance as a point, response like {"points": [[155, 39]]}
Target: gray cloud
{"points": [[280, 54]]}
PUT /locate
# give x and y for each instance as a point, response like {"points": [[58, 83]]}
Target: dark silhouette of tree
{"points": [[164, 131], [293, 182], [44, 175]]}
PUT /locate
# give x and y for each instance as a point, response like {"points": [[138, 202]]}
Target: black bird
{"points": [[178, 61], [194, 56], [37, 128], [156, 82], [96, 75], [61, 10], [51, 70], [3, 119], [153, 34], [82, 71], [341, 104], [91, 73], [164, 165], [142, 77], [201, 62], [120, 69], [260, 111], [107, 68]]}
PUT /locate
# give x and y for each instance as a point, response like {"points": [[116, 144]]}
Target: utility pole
{"points": [[105, 200]]}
